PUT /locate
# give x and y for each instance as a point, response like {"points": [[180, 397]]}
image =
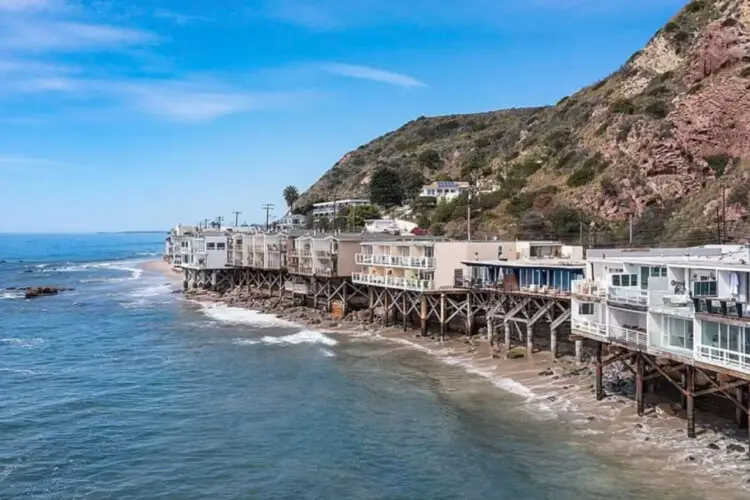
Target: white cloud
{"points": [[374, 74], [45, 35], [178, 18], [28, 5]]}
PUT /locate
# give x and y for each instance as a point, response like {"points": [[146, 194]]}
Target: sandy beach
{"points": [[554, 391], [162, 267]]}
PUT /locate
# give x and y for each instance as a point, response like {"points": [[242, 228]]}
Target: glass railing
{"points": [[723, 357], [588, 288], [628, 336], [627, 295], [393, 281], [395, 261]]}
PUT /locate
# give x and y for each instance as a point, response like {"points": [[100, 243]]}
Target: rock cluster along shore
{"points": [[33, 292]]}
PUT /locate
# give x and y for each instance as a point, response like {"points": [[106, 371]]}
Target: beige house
{"points": [[324, 255], [419, 263]]}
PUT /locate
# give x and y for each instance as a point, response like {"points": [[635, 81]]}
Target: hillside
{"points": [[656, 140]]}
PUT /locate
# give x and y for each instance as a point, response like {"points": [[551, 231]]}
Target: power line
{"points": [[267, 207]]}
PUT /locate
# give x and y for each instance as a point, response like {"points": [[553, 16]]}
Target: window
{"points": [[729, 337], [586, 309], [221, 246], [677, 333], [625, 280], [210, 246], [704, 288], [659, 272]]}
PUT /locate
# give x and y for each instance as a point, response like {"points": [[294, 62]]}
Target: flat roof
{"points": [[548, 263], [340, 201]]}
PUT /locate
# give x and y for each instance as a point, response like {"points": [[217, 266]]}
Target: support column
{"points": [[506, 327], [529, 340], [599, 370], [344, 299], [387, 315], [469, 316], [442, 317], [491, 336], [371, 303], [394, 311], [553, 341], [406, 316], [747, 401], [739, 415], [314, 286], [579, 351], [690, 401], [214, 280], [423, 314], [639, 383]]}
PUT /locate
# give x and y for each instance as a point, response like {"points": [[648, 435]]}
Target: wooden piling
{"points": [[683, 384], [469, 316], [690, 401], [639, 384], [506, 327], [579, 351], [553, 341], [442, 317], [529, 340], [371, 303], [491, 336], [739, 414], [405, 314], [423, 314], [599, 372]]}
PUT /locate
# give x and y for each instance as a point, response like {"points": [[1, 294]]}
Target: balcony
{"points": [[589, 328], [394, 282], [670, 303], [628, 336], [307, 270], [630, 296], [319, 271], [723, 308], [588, 289], [723, 358], [395, 261]]}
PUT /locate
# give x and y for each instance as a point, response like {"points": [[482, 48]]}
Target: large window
{"points": [[210, 246], [729, 337], [677, 333], [586, 309], [625, 280], [704, 288]]}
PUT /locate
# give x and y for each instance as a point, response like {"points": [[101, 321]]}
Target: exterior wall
{"points": [[346, 257], [216, 258], [450, 254]]}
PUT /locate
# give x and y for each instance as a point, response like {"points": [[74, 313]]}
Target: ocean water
{"points": [[121, 389]]}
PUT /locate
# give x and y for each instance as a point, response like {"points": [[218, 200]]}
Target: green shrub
{"points": [[624, 132], [599, 84], [558, 139], [358, 161], [566, 221], [740, 195], [429, 158], [623, 107], [671, 27], [681, 37], [581, 177], [437, 229], [657, 109], [491, 200], [565, 159], [745, 72], [695, 6], [519, 204], [609, 187], [482, 142], [729, 22], [718, 163]]}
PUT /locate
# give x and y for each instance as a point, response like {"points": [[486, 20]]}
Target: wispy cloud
{"points": [[29, 5], [47, 35], [374, 74], [179, 18]]}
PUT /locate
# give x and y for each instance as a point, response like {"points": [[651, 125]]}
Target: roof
{"points": [[448, 184], [535, 263]]}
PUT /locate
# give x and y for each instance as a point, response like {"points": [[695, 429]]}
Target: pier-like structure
{"points": [[675, 315]]}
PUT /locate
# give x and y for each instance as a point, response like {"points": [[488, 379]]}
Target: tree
{"points": [[291, 194], [412, 182], [386, 188], [357, 216]]}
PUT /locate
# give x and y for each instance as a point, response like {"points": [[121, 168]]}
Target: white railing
{"points": [[627, 295], [395, 261], [587, 327], [669, 300], [723, 357], [588, 288], [628, 336], [393, 281]]}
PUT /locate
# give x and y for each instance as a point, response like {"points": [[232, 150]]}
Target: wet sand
{"points": [[558, 393], [163, 268]]}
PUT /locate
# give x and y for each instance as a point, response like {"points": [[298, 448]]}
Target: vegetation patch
{"points": [[718, 163], [745, 72], [623, 107], [581, 177], [657, 109], [429, 158], [740, 195]]}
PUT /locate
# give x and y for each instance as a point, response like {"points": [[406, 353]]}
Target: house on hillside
{"points": [[444, 190]]}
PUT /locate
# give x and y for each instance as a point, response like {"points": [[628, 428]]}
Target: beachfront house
{"points": [[690, 304], [291, 221], [175, 242], [539, 267], [207, 249], [328, 255], [417, 263]]}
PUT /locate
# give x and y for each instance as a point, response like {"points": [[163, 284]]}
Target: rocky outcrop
{"points": [[34, 292]]}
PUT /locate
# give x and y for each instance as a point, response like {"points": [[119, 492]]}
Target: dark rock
{"points": [[647, 438], [545, 373], [552, 399], [590, 419], [44, 291], [713, 446], [28, 270], [177, 292], [736, 448], [690, 458], [638, 426]]}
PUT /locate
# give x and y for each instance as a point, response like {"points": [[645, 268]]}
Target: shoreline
{"points": [[550, 390]]}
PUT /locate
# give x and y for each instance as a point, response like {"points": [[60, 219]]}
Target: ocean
{"points": [[124, 390]]}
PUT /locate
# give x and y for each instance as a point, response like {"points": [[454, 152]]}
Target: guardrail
{"points": [[395, 261], [588, 288], [393, 281], [628, 336], [627, 295], [592, 328], [724, 358]]}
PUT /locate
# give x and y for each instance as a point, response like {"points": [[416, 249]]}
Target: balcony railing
{"points": [[723, 357], [395, 261], [592, 328], [301, 270], [628, 336], [393, 281], [668, 302], [628, 295], [726, 308], [325, 272], [588, 288]]}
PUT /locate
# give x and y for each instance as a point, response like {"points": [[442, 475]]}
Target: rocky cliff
{"points": [[658, 141]]}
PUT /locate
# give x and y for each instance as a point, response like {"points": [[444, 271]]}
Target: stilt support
{"points": [[599, 372], [639, 384], [690, 389]]}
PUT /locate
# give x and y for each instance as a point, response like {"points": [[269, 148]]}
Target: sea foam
{"points": [[303, 337], [240, 316]]}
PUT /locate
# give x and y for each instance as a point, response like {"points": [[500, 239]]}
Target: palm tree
{"points": [[291, 194]]}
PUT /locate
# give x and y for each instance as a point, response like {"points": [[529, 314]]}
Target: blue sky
{"points": [[120, 115]]}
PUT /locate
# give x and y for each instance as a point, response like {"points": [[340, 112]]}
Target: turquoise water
{"points": [[123, 390]]}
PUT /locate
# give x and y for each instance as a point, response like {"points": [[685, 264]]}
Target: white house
{"points": [[392, 226], [691, 304], [205, 250], [291, 221], [328, 208], [444, 190], [175, 242]]}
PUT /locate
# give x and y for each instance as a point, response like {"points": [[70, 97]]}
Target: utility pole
{"points": [[205, 223], [219, 221], [580, 233], [236, 218], [718, 225], [267, 207], [468, 217], [723, 211], [630, 222]]}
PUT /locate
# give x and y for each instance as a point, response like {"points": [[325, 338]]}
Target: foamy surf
{"points": [[303, 337], [10, 295], [151, 291], [240, 316], [25, 343]]}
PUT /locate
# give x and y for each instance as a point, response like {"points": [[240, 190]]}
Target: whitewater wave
{"points": [[25, 343], [11, 295], [239, 316], [135, 272], [151, 291], [303, 337]]}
